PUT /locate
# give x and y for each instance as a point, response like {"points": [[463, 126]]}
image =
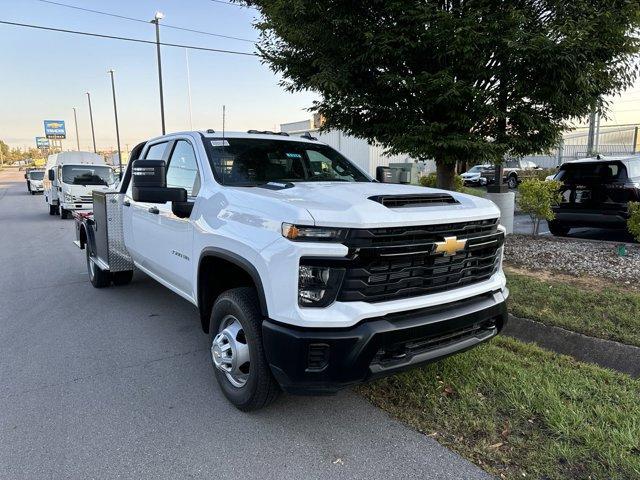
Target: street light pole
{"points": [[156, 20], [93, 133], [75, 119], [115, 111]]}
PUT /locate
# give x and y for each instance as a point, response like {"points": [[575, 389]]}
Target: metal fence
{"points": [[612, 140]]}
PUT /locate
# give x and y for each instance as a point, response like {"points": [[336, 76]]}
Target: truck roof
{"points": [[256, 134], [75, 158]]}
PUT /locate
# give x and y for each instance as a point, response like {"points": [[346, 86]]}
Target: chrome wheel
{"points": [[230, 351]]}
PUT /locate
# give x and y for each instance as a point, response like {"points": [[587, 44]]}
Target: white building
{"points": [[366, 155]]}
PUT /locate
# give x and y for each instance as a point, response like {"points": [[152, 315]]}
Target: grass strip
{"points": [[519, 411], [604, 312]]}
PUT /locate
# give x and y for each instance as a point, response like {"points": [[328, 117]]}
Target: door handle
{"points": [[126, 203], [154, 210]]}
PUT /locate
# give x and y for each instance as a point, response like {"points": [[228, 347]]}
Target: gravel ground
{"points": [[574, 257]]}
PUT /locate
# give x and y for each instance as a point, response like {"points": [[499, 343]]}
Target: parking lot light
{"points": [[156, 20]]}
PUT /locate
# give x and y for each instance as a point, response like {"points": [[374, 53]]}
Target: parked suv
{"points": [[596, 193], [474, 176], [513, 173], [309, 276]]}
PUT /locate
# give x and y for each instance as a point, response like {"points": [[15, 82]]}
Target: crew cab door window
{"points": [[183, 169], [156, 152]]}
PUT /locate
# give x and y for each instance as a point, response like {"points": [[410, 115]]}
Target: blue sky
{"points": [[44, 74]]}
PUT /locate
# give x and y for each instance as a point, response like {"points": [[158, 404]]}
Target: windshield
{"points": [[87, 175], [36, 175], [476, 169], [251, 162]]}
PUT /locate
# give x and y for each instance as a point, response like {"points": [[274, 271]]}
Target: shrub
{"points": [[430, 180], [633, 224], [545, 172], [537, 198]]}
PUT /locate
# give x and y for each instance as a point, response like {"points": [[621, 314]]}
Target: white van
{"points": [[70, 177]]}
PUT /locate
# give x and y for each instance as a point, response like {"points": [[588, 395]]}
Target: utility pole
{"points": [[156, 20], [186, 53], [93, 133], [592, 130], [115, 111], [75, 118]]}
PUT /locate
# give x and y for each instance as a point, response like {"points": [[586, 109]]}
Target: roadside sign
{"points": [[42, 143], [55, 129]]}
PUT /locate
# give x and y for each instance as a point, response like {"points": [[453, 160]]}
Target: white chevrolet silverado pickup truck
{"points": [[309, 276]]}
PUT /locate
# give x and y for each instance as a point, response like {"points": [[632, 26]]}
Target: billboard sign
{"points": [[42, 143], [55, 129]]}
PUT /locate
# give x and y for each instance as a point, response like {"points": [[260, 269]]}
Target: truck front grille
{"points": [[392, 263]]}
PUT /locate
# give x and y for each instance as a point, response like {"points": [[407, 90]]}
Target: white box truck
{"points": [[309, 276], [69, 179]]}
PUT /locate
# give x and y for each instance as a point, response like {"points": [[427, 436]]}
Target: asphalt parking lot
{"points": [[117, 383]]}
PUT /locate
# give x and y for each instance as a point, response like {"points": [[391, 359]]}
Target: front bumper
{"points": [[322, 361]]}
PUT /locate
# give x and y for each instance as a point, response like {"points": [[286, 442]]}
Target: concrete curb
{"points": [[606, 353]]}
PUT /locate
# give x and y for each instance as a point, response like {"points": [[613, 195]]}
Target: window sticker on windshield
{"points": [[219, 143], [294, 155]]}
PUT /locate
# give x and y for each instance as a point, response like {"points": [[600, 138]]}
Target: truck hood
{"points": [[342, 204]]}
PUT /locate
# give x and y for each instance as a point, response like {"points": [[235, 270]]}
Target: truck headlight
{"points": [[68, 197], [318, 285], [312, 234]]}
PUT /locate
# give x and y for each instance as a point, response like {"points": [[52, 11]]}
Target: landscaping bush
{"points": [[633, 224], [430, 180], [544, 173], [537, 197]]}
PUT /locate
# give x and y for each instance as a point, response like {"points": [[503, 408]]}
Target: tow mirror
{"points": [[52, 175], [149, 179]]}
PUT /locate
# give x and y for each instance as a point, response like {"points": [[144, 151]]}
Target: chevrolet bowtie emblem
{"points": [[450, 246]]}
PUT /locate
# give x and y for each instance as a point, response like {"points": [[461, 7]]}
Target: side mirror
{"points": [[25, 176], [149, 179], [52, 175]]}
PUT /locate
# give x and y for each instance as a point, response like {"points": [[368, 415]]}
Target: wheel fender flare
{"points": [[240, 262]]}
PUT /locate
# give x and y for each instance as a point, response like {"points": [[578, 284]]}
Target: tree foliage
{"points": [[537, 198], [452, 79], [633, 223]]}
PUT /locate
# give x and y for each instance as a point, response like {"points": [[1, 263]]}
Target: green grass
{"points": [[522, 412], [608, 312]]}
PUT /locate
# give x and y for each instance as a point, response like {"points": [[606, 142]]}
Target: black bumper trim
{"points": [[380, 346]]}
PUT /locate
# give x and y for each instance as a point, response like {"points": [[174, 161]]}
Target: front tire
{"points": [[64, 214], [512, 182], [99, 278], [52, 210], [237, 353]]}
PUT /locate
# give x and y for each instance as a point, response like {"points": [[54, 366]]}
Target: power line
{"points": [[127, 39], [164, 25], [231, 4]]}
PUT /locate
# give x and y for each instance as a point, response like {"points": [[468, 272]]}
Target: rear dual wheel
{"points": [[99, 278]]}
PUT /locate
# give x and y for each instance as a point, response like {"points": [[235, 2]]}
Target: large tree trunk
{"points": [[445, 175]]}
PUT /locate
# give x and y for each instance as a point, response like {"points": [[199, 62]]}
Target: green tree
{"points": [[633, 223], [4, 152], [537, 198], [452, 80]]}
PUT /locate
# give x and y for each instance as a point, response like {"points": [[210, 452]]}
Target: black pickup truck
{"points": [[596, 193]]}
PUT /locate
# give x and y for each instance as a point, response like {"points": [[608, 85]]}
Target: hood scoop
{"points": [[416, 200]]}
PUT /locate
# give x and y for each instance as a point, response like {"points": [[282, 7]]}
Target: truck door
{"points": [[165, 243], [137, 223]]}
